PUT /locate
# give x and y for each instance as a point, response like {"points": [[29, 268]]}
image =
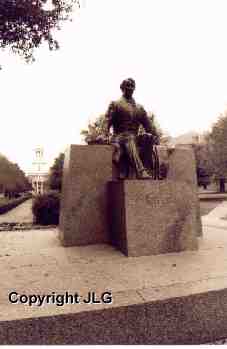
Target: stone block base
{"points": [[83, 218], [88, 169], [152, 217]]}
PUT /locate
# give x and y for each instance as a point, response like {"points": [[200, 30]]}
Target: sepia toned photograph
{"points": [[113, 172]]}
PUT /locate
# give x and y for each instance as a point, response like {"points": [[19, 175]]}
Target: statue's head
{"points": [[127, 87]]}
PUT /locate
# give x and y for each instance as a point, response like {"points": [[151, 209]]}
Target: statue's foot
{"points": [[144, 175]]}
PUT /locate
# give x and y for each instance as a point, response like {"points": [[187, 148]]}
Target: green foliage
{"points": [[217, 147], [12, 178], [46, 208], [204, 166], [25, 24], [56, 172], [96, 131], [203, 177]]}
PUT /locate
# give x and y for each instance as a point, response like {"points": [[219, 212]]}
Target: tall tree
{"points": [[217, 143], [26, 24], [204, 166], [56, 172], [96, 131], [12, 178]]}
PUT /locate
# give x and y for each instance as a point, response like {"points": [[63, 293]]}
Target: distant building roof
{"points": [[188, 138]]}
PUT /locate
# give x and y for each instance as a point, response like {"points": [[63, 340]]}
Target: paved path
{"points": [[34, 262], [215, 217], [20, 214]]}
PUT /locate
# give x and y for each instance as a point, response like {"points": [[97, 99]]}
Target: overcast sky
{"points": [[175, 50]]}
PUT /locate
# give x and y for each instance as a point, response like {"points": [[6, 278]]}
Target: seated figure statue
{"points": [[132, 151]]}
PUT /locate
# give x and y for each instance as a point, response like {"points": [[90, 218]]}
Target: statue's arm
{"points": [[145, 121], [149, 127], [109, 116]]}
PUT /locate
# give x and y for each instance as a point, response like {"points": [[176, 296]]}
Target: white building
{"points": [[39, 172]]}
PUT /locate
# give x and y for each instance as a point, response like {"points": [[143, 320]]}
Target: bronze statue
{"points": [[132, 151]]}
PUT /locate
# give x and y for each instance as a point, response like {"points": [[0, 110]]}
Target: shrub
{"points": [[8, 204], [46, 208]]}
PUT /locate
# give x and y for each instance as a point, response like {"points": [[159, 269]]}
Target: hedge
{"points": [[45, 208], [5, 207]]}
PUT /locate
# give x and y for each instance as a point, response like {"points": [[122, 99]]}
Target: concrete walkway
{"points": [[19, 214], [215, 217], [34, 263]]}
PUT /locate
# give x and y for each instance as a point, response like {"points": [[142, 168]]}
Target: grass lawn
{"points": [[4, 201]]}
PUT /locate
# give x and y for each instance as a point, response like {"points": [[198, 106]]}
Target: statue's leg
{"points": [[116, 152], [145, 143], [133, 155], [119, 158], [127, 159]]}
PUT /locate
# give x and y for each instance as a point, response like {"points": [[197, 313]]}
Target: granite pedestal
{"points": [[182, 168], [84, 204], [83, 217], [152, 217]]}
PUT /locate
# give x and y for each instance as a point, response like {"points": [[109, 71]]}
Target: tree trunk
{"points": [[222, 185]]}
